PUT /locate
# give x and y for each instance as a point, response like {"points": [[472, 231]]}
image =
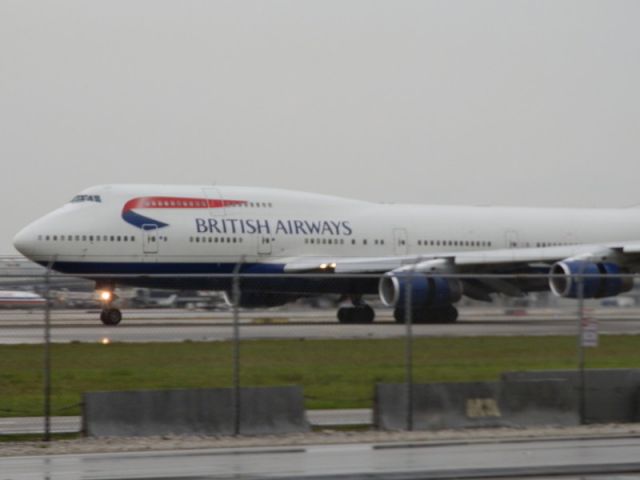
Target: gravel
{"points": [[139, 444]]}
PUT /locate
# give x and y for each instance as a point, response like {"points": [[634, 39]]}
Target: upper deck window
{"points": [[86, 198]]}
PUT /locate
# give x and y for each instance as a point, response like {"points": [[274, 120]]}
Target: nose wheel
{"points": [[110, 316]]}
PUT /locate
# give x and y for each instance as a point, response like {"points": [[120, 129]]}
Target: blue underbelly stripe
{"points": [[102, 268]]}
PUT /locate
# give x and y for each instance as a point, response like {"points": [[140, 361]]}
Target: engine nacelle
{"points": [[599, 279], [259, 299], [426, 291]]}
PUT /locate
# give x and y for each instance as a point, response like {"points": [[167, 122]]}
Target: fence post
{"points": [[235, 293], [582, 405], [47, 353], [408, 320]]}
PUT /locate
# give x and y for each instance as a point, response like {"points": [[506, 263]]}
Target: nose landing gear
{"points": [[110, 315]]}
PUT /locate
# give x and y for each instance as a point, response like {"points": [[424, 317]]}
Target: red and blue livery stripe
{"points": [[166, 203]]}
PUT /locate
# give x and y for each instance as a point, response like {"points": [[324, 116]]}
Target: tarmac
{"points": [[26, 327]]}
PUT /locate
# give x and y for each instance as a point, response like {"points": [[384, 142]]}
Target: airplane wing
{"points": [[515, 260], [468, 261]]}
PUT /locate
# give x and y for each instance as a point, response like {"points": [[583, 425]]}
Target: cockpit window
{"points": [[86, 198]]}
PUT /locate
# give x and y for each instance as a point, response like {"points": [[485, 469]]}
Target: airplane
{"points": [[184, 237]]}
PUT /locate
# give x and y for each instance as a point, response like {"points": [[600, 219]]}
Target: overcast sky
{"points": [[452, 102]]}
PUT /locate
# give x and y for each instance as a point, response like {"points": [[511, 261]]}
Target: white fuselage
{"points": [[108, 227]]}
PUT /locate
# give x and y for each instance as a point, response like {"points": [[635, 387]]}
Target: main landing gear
{"points": [[446, 314], [359, 313], [109, 315]]}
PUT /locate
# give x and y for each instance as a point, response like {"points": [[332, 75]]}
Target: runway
{"points": [[26, 327], [535, 459]]}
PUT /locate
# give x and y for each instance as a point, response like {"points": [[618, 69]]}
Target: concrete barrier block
{"points": [[196, 411], [437, 406], [539, 402], [266, 411], [610, 394], [475, 404]]}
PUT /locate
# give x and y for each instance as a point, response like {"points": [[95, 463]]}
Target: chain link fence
{"points": [[414, 327]]}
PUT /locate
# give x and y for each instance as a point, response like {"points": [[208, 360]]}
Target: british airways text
{"points": [[286, 227]]}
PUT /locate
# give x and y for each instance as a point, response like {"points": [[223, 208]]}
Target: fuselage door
{"points": [[150, 238], [400, 242], [215, 200], [264, 245], [511, 239]]}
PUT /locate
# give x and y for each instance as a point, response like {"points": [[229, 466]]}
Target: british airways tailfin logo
{"points": [[167, 203]]}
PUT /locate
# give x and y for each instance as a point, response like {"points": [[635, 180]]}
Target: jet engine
{"points": [[426, 291], [599, 279]]}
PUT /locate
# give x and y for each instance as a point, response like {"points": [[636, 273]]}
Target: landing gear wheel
{"points": [[417, 316], [345, 315], [359, 314], [111, 316], [364, 314], [450, 314]]}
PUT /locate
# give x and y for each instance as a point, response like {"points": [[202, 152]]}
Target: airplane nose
{"points": [[23, 241]]}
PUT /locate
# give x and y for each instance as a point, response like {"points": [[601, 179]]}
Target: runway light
{"points": [[105, 341]]}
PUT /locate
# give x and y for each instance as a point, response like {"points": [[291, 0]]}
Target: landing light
{"points": [[105, 295], [324, 266], [105, 341]]}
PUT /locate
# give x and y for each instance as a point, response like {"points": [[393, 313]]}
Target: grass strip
{"points": [[334, 373]]}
